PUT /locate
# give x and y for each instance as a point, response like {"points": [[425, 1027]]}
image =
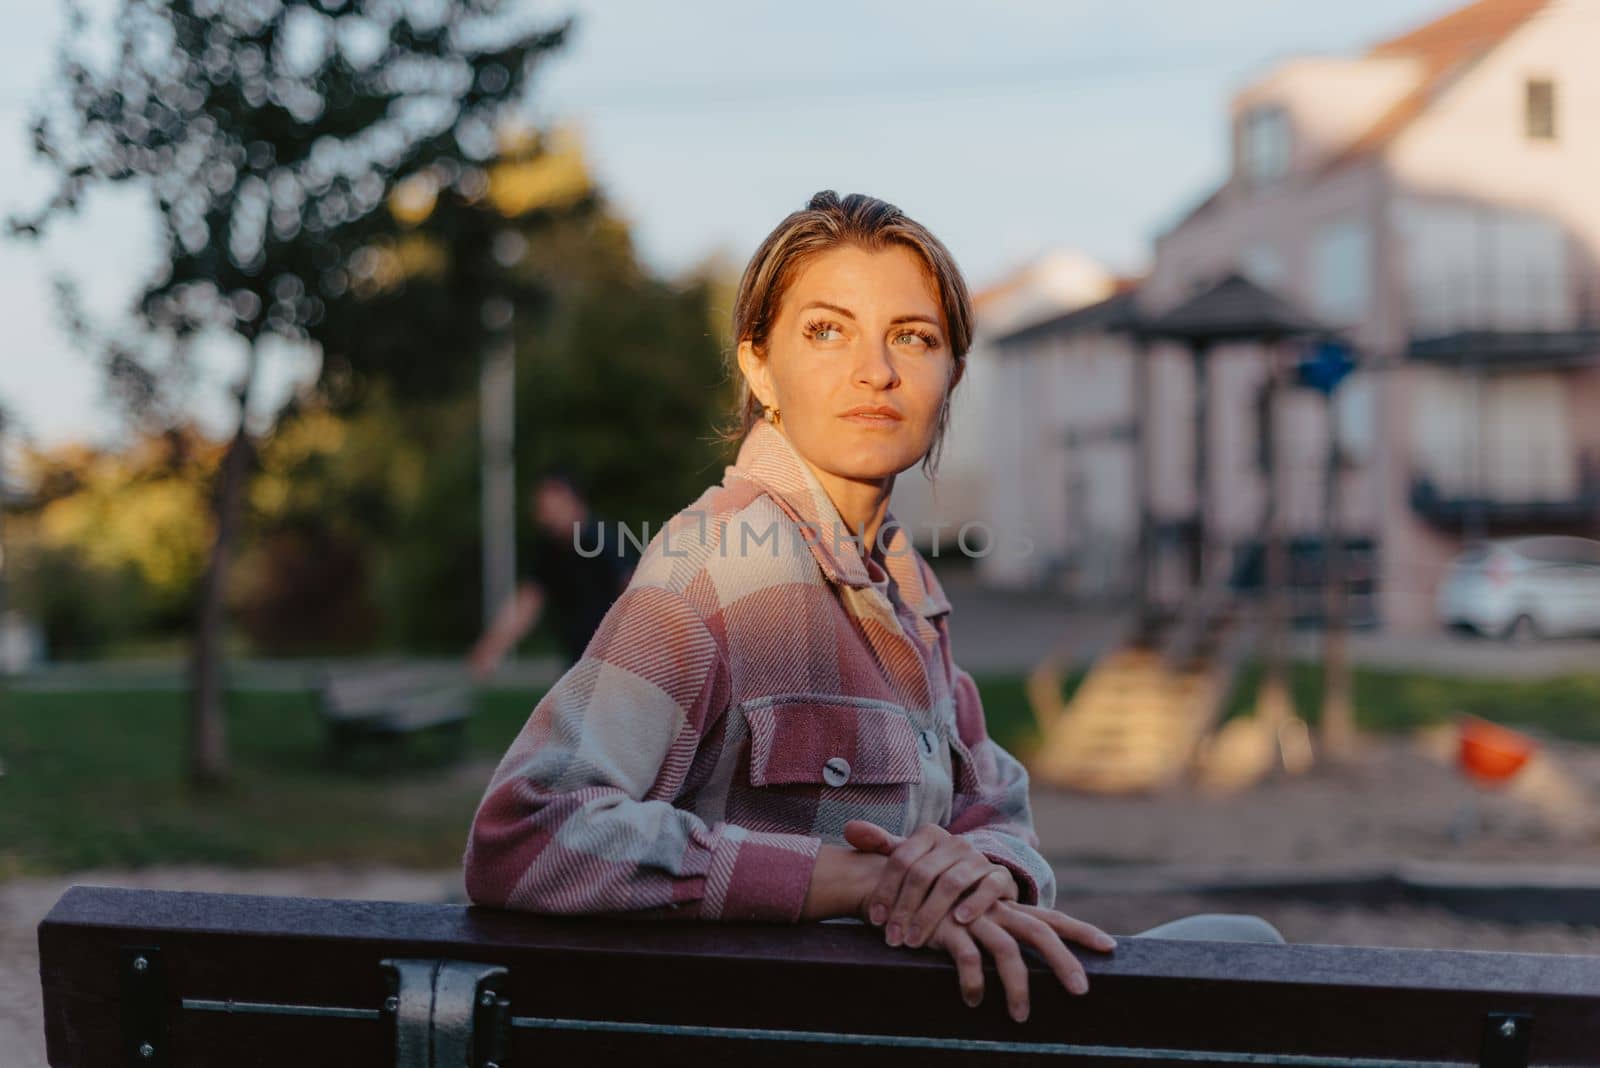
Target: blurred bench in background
{"points": [[383, 706], [190, 979]]}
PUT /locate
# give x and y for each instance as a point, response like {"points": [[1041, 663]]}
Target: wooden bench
{"points": [[386, 705], [141, 977]]}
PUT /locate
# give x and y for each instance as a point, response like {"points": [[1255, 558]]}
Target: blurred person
{"points": [[572, 588], [769, 724]]}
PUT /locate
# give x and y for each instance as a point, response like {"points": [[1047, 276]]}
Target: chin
{"points": [[869, 463]]}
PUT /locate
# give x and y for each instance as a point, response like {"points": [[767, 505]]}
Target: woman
{"points": [[769, 724]]}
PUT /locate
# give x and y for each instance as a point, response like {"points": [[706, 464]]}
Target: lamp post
{"points": [[497, 406], [497, 436]]}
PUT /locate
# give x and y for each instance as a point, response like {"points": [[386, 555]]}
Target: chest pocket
{"points": [[830, 739]]}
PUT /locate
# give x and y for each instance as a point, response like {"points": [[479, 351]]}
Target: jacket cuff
{"points": [[760, 876], [1036, 880]]}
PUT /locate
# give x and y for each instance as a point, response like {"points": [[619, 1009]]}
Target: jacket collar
{"points": [[768, 459]]}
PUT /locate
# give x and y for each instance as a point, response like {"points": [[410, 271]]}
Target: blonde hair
{"points": [[827, 222]]}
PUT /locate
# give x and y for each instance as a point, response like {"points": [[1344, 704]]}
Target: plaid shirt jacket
{"points": [[759, 683]]}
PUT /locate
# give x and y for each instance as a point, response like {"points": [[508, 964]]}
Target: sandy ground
{"points": [[1395, 808], [1399, 801]]}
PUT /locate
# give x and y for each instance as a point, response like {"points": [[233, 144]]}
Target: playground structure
{"points": [[1148, 712]]}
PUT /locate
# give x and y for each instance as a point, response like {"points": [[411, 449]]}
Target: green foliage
{"points": [[621, 388], [82, 609]]}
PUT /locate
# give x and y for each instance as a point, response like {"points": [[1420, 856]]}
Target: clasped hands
{"points": [[935, 888]]}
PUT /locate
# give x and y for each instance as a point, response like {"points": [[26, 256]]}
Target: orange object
{"points": [[1490, 753]]}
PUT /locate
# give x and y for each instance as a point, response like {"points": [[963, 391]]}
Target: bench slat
{"points": [[634, 986]]}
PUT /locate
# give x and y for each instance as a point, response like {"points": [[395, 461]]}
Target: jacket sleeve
{"points": [[579, 815], [997, 818]]}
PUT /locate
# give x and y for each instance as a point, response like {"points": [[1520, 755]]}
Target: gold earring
{"points": [[770, 414]]}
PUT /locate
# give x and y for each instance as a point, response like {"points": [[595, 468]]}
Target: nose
{"points": [[875, 368]]}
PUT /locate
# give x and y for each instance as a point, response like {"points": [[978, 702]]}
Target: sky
{"points": [[1008, 127]]}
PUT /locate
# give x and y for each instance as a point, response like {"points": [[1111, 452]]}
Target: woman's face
{"points": [[857, 329]]}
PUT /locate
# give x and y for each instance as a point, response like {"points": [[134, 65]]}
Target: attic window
{"points": [[1541, 109], [1264, 144]]}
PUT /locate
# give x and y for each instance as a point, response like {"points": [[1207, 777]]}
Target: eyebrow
{"points": [[848, 314]]}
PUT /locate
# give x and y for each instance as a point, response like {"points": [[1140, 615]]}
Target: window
{"points": [[1264, 144], [1485, 267], [1540, 109], [1341, 272], [1263, 264]]}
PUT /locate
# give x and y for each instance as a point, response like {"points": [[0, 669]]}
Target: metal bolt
{"points": [[141, 964], [486, 999], [146, 1050], [491, 1064], [1508, 1028], [391, 1004]]}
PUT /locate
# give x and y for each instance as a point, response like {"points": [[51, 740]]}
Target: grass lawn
{"points": [[94, 779], [1564, 707]]}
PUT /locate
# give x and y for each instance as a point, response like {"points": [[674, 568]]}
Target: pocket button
{"points": [[836, 772], [929, 741]]}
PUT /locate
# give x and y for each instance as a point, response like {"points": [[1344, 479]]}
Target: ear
{"points": [[955, 377], [756, 373]]}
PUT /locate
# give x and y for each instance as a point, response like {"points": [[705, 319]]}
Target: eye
{"points": [[922, 335], [818, 326]]}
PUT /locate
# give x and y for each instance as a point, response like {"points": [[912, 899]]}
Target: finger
{"points": [[907, 853], [1073, 930], [969, 961], [1007, 961], [869, 837], [947, 889], [920, 879], [996, 884], [1032, 931]]}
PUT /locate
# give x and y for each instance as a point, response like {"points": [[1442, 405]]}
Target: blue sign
{"points": [[1326, 366]]}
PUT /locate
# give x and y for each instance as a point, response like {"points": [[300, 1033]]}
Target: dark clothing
{"points": [[578, 586]]}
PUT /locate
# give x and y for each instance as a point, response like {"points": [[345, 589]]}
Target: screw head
{"points": [[486, 999], [146, 1050], [141, 964], [491, 1064], [1508, 1028], [391, 1004]]}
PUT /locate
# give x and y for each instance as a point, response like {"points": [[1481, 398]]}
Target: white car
{"points": [[1522, 588]]}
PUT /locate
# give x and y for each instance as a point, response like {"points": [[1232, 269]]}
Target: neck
{"points": [[861, 504]]}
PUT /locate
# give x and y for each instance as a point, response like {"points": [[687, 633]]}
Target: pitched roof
{"points": [[1232, 309], [1444, 48], [1118, 312]]}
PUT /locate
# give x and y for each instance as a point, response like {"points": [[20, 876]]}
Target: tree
{"points": [[270, 135]]}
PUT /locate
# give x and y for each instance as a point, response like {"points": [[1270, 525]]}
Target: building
{"points": [[1432, 199]]}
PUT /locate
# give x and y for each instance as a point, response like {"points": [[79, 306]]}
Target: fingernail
{"points": [[1107, 942], [963, 914], [972, 1000], [1078, 984], [893, 934], [914, 935], [1019, 1013], [879, 912]]}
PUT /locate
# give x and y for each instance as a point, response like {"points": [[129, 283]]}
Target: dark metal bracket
{"points": [[448, 1012], [146, 1030], [1505, 1040]]}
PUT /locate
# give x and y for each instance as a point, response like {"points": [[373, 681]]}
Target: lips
{"points": [[878, 412]]}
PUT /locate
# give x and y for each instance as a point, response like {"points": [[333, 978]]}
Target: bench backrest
{"points": [[348, 693], [181, 978]]}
